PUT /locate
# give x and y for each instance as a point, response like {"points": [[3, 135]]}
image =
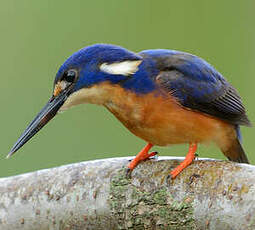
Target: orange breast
{"points": [[163, 121]]}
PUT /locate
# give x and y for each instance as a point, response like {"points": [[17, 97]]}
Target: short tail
{"points": [[236, 152]]}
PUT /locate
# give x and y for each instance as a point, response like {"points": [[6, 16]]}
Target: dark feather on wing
{"points": [[198, 86]]}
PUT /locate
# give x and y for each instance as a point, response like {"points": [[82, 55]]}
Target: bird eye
{"points": [[69, 76]]}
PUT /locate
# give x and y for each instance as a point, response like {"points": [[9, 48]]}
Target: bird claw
{"points": [[128, 173], [152, 155], [169, 179]]}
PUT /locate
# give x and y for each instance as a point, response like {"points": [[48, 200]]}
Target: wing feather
{"points": [[198, 86]]}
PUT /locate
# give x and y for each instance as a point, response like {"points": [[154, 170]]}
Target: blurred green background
{"points": [[37, 36]]}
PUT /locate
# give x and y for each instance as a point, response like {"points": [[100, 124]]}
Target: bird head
{"points": [[80, 73]]}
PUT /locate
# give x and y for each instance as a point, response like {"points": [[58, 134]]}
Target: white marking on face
{"points": [[121, 68]]}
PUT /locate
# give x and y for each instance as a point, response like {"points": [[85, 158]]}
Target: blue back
{"points": [[88, 60], [190, 79], [197, 85]]}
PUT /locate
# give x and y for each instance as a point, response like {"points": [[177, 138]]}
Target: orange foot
{"points": [[141, 156], [187, 161]]}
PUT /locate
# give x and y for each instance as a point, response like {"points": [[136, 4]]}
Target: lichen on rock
{"points": [[135, 208]]}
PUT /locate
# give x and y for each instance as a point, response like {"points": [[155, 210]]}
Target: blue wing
{"points": [[197, 85]]}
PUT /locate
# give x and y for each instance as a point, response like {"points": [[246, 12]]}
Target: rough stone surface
{"points": [[97, 195], [154, 208]]}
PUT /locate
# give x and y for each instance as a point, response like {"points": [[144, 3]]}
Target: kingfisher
{"points": [[164, 97]]}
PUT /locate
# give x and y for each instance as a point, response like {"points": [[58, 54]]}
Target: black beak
{"points": [[43, 117]]}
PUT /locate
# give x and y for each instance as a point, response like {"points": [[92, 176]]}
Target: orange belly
{"points": [[163, 122]]}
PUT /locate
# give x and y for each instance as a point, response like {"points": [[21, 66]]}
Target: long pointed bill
{"points": [[43, 117]]}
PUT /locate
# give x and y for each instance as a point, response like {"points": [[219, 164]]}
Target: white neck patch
{"points": [[121, 68]]}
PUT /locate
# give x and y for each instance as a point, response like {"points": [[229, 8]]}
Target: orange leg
{"points": [[187, 161], [141, 156]]}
